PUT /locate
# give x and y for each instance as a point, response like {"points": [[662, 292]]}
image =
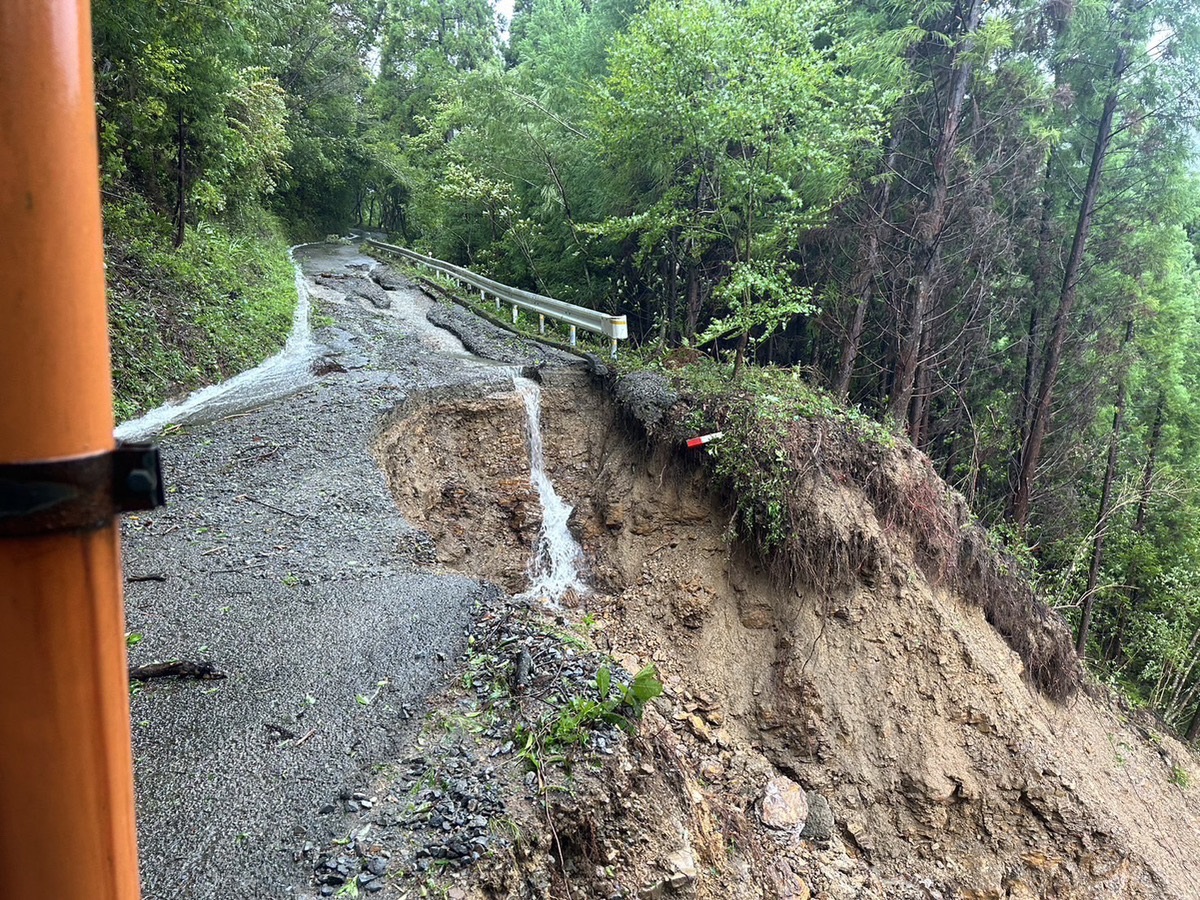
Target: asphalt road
{"points": [[284, 563]]}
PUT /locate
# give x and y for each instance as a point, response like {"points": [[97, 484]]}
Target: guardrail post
{"points": [[516, 314], [541, 323], [66, 778], [572, 335], [614, 348]]}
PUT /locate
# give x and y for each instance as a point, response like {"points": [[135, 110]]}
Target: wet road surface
{"points": [[282, 561]]}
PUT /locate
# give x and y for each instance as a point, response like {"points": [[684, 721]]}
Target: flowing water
{"points": [[285, 372], [556, 561], [554, 569]]}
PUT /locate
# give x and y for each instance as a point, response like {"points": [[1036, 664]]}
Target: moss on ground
{"points": [[181, 319]]}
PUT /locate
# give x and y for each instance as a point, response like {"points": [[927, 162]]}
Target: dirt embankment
{"points": [[889, 696]]}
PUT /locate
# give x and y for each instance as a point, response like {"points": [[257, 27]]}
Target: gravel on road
{"points": [[282, 562]]}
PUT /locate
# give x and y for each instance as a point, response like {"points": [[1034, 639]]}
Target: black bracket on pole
{"points": [[79, 494]]}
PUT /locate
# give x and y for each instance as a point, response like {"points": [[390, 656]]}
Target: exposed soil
{"points": [[892, 698]]}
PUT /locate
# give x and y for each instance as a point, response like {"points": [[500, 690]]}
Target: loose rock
{"points": [[784, 805]]}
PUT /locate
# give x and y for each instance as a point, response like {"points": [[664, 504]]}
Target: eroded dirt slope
{"points": [[893, 698]]}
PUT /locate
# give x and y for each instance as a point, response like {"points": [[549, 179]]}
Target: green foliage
{"points": [[761, 300], [739, 127], [616, 703], [182, 319]]}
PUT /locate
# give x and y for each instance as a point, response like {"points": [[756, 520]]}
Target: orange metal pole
{"points": [[66, 783]]}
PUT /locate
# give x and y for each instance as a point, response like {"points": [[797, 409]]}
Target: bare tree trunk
{"points": [[1115, 646], [1031, 452], [918, 423], [865, 273], [1041, 276], [740, 355], [1110, 476], [1025, 404], [693, 302], [930, 223], [181, 188]]}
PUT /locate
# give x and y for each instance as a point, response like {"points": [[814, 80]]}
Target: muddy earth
{"points": [[873, 739]]}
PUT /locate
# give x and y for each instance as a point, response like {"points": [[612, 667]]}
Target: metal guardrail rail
{"points": [[614, 327]]}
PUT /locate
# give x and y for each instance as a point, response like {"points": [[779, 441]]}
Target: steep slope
{"points": [[872, 677]]}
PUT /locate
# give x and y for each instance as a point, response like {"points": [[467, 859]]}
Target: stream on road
{"points": [[554, 568]]}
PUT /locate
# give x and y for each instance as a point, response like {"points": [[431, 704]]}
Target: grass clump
{"points": [[182, 318]]}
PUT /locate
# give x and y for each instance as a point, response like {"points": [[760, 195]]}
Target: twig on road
{"points": [[276, 508]]}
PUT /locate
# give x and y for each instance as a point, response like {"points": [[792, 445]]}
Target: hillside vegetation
{"points": [[227, 130]]}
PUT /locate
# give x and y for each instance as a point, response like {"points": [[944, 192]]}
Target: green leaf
{"points": [[603, 682]]}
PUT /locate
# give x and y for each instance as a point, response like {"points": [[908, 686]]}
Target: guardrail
{"points": [[614, 327]]}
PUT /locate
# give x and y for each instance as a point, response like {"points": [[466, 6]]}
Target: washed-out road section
{"points": [[281, 560]]}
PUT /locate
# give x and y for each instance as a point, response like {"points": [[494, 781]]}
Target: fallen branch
{"points": [[180, 668]]}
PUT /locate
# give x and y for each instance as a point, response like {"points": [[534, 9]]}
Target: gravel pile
{"points": [[445, 809]]}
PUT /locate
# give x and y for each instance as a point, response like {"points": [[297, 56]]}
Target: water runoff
{"points": [[554, 569], [285, 372]]}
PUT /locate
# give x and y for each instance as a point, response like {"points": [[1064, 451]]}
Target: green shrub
{"points": [[183, 318]]}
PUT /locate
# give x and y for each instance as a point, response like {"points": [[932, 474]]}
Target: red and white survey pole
{"points": [[703, 439]]}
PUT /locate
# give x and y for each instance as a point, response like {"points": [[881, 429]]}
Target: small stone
{"points": [[681, 863], [818, 827], [787, 884], [377, 865], [784, 805]]}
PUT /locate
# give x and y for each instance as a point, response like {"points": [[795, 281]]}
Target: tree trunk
{"points": [[918, 423], [1025, 404], [181, 188], [1115, 646], [693, 302], [740, 355], [1193, 730], [1032, 451], [865, 273], [1041, 277], [1110, 476], [930, 223]]}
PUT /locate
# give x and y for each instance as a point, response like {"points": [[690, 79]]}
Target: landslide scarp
{"points": [[882, 676]]}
